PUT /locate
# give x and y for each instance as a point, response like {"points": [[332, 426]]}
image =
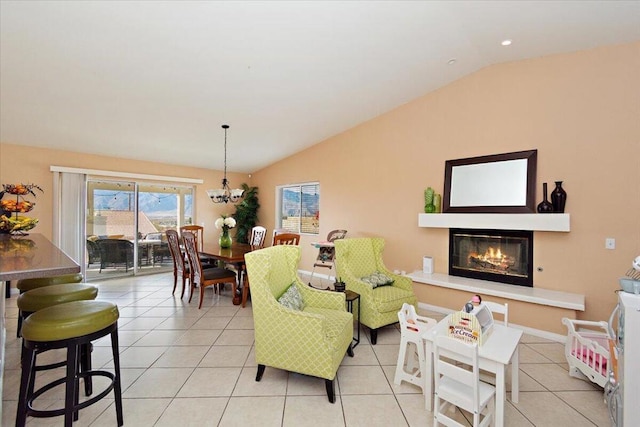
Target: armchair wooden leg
{"points": [[331, 393], [374, 336], [260, 372], [245, 293], [350, 350]]}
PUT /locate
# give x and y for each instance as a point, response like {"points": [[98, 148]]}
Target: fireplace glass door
{"points": [[504, 256]]}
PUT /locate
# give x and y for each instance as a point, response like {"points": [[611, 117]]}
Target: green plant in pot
{"points": [[339, 285], [246, 213]]}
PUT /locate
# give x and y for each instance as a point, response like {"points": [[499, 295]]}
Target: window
{"points": [[299, 208]]}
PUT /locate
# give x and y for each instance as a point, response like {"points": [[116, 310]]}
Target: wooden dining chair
{"points": [[197, 231], [286, 239], [257, 237], [256, 240], [204, 277], [180, 267], [280, 231]]}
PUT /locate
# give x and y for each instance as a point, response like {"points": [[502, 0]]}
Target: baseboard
{"points": [[316, 275], [428, 307]]}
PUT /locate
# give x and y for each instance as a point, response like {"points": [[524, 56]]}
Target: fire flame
{"points": [[493, 258]]}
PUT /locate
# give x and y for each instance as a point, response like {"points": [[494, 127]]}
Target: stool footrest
{"points": [[51, 366], [40, 413]]}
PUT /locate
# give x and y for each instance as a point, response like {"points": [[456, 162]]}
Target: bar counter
{"points": [[31, 256], [27, 257]]}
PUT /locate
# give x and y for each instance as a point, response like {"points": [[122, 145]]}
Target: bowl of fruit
{"points": [[13, 204], [17, 224], [21, 206], [20, 189]]}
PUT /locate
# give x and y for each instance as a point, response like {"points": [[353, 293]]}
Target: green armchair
{"points": [[310, 341], [361, 257]]}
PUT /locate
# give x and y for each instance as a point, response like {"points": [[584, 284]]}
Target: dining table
{"points": [[233, 256], [494, 355], [149, 246], [27, 257]]}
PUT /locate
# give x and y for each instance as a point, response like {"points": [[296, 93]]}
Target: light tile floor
{"points": [[189, 367]]}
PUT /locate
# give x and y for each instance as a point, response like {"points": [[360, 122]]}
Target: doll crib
{"points": [[587, 349]]}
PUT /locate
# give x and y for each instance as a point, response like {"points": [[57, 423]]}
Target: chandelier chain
{"points": [[225, 151], [225, 194]]}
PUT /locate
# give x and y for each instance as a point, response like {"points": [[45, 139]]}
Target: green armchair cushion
{"points": [[292, 298], [361, 257], [377, 279], [390, 299], [312, 341]]}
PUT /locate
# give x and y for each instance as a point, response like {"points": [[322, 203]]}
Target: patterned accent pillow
{"points": [[377, 279], [291, 298]]}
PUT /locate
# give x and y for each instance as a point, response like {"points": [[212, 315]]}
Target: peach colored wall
{"points": [[30, 164], [580, 110]]}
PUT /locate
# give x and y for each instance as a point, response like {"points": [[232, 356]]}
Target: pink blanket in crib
{"points": [[591, 358]]}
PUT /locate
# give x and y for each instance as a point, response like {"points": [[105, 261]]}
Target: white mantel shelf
{"points": [[532, 222], [512, 292]]}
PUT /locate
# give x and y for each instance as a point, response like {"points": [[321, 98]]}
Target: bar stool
{"points": [[25, 285], [412, 327], [40, 298], [69, 325]]}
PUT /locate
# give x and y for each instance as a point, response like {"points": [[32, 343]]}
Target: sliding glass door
{"points": [[111, 229], [160, 208], [126, 223]]}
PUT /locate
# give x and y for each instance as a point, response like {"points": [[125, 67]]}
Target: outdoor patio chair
{"points": [[114, 253]]}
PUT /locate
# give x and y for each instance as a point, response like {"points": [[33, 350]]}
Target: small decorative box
{"points": [[473, 327]]}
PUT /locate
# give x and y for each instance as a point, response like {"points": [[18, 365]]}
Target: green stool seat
{"points": [[28, 284], [69, 320], [38, 299], [71, 326]]}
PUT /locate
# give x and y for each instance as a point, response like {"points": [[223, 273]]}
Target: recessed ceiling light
{"points": [[506, 42], [452, 61]]}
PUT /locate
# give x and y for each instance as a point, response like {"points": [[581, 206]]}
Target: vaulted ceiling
{"points": [[155, 80]]}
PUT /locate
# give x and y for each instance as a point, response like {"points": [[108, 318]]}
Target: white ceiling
{"points": [[156, 80]]}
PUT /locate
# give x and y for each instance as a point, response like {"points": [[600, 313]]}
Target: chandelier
{"points": [[225, 194]]}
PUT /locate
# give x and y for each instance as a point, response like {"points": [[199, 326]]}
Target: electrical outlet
{"points": [[610, 243]]}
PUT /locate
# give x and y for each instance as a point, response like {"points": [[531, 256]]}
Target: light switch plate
{"points": [[610, 243]]}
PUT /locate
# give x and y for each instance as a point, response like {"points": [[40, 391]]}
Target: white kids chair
{"points": [[498, 308], [455, 385], [412, 327]]}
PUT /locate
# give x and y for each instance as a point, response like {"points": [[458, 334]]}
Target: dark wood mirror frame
{"points": [[527, 194]]}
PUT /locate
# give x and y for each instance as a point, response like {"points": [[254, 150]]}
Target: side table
{"points": [[351, 297]]}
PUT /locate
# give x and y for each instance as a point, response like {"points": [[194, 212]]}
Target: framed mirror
{"points": [[500, 183]]}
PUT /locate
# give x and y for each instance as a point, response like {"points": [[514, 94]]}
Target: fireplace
{"points": [[504, 256]]}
